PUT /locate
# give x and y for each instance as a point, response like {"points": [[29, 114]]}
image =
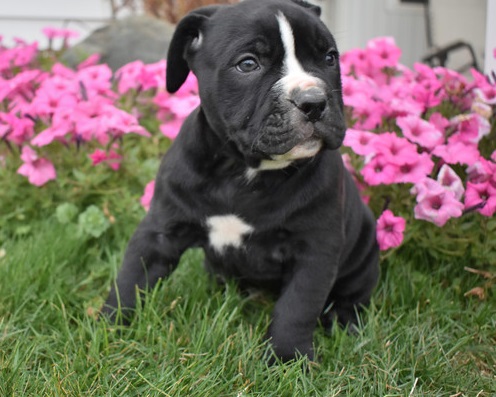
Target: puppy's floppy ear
{"points": [[315, 9], [186, 38]]}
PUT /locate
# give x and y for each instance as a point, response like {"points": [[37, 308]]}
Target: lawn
{"points": [[422, 336]]}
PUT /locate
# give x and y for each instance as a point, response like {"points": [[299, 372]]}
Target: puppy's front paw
{"points": [[346, 316]]}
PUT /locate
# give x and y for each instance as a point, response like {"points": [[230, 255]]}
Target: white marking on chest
{"points": [[294, 74], [227, 231]]}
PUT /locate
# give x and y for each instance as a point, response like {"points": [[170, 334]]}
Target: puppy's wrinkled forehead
{"points": [[273, 30]]}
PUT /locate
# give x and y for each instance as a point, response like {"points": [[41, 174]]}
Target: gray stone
{"points": [[123, 41]]}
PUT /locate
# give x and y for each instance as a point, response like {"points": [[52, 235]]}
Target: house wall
{"points": [[353, 22], [26, 18]]}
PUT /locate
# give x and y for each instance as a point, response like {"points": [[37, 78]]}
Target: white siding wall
{"points": [[26, 18], [353, 22]]}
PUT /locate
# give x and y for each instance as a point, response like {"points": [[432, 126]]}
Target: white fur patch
{"points": [[227, 230], [304, 150], [294, 74]]}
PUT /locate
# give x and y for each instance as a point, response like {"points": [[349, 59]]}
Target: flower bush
{"points": [[420, 142]]}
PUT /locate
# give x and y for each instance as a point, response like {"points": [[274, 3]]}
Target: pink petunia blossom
{"points": [[171, 128], [361, 142], [383, 52], [439, 121], [482, 170], [366, 111], [414, 170], [470, 128], [117, 122], [96, 80], [153, 76], [189, 87], [484, 89], [128, 76], [354, 61], [435, 203], [38, 170], [483, 194], [379, 171], [147, 197], [112, 159], [15, 129], [92, 60], [397, 150], [390, 229], [456, 152], [183, 106], [48, 100], [420, 131], [451, 181], [53, 33]]}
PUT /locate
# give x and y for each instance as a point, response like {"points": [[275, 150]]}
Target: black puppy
{"points": [[255, 177]]}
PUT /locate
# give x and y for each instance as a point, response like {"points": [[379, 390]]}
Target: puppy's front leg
{"points": [[152, 253], [299, 306]]}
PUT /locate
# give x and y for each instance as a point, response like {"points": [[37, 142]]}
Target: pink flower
{"points": [[379, 171], [451, 181], [15, 129], [146, 199], [38, 170], [112, 159], [471, 128], [390, 229], [128, 76], [482, 170], [153, 76], [439, 122], [383, 52], [92, 60], [435, 203], [367, 112], [455, 152], [397, 150], [53, 33], [183, 106], [354, 61], [96, 80], [483, 194], [49, 99], [118, 122], [360, 141], [484, 89], [420, 131], [415, 170], [171, 128]]}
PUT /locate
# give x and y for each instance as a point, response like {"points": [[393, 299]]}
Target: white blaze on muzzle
{"points": [[294, 76]]}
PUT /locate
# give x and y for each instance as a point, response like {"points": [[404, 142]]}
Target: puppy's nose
{"points": [[311, 102]]}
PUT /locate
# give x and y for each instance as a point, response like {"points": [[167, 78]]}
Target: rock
{"points": [[123, 41]]}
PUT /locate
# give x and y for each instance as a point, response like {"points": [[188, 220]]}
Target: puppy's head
{"points": [[269, 79]]}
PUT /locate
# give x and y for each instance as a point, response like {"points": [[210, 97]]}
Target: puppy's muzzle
{"points": [[311, 102]]}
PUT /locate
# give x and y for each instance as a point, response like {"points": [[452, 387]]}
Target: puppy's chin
{"points": [[305, 149]]}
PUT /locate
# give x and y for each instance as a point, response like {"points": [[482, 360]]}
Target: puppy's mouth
{"points": [[306, 149]]}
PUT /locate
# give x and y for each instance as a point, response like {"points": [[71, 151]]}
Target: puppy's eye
{"points": [[331, 58], [247, 65]]}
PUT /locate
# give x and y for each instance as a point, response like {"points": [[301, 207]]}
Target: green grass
{"points": [[421, 337]]}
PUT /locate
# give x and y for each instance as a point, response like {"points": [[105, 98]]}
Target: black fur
{"points": [[313, 241]]}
